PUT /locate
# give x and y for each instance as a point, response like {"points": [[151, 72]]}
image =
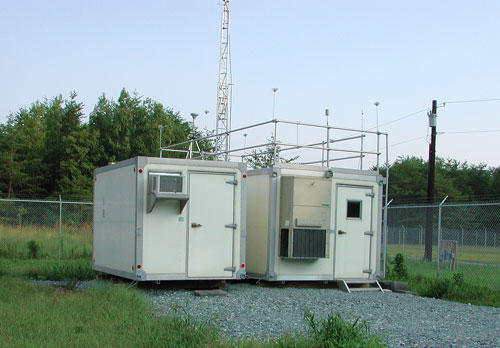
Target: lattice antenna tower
{"points": [[223, 125]]}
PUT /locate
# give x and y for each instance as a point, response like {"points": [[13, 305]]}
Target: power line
{"points": [[471, 101], [440, 105], [406, 141], [400, 118], [476, 131]]}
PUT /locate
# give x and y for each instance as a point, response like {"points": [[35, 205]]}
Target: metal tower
{"points": [[223, 126]]}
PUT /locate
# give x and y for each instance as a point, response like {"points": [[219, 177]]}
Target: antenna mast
{"points": [[223, 126]]}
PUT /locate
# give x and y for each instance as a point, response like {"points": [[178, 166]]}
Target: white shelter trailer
{"points": [[314, 223], [170, 219]]}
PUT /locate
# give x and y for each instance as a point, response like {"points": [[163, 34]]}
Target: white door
{"points": [[210, 243], [353, 232]]}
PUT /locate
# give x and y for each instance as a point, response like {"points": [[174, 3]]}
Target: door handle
{"points": [[342, 232], [194, 224]]}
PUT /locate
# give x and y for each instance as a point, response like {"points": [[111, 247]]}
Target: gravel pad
{"points": [[404, 320]]}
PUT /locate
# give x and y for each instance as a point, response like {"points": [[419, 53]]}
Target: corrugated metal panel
{"points": [[309, 243]]}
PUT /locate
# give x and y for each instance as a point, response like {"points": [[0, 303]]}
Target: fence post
{"points": [[420, 238], [484, 240], [462, 238], [60, 228], [439, 234]]}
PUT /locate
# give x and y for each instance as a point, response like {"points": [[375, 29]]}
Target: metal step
{"points": [[344, 285], [363, 289]]}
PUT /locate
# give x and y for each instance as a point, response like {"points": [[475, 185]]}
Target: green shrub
{"points": [[399, 270], [33, 249], [437, 288], [458, 279], [335, 332]]}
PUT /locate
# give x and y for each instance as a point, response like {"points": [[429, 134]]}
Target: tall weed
{"points": [[334, 331]]}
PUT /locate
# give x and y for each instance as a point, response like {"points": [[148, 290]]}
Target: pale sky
{"points": [[323, 54]]}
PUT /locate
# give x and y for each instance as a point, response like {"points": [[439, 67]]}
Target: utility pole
{"points": [[430, 182]]}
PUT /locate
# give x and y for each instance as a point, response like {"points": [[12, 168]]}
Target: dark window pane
{"points": [[284, 242], [354, 209]]}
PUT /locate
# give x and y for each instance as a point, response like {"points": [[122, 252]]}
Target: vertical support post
{"points": [[378, 150], [462, 238], [384, 256], [161, 128], [387, 202], [322, 153], [275, 143], [484, 240], [439, 235], [59, 251], [378, 136], [420, 241], [476, 238], [404, 237], [327, 114], [362, 138], [430, 183]]}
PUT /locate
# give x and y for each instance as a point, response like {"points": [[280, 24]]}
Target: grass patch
{"points": [[75, 271], [488, 276], [451, 290], [114, 316], [466, 253], [32, 241], [48, 269], [479, 285]]}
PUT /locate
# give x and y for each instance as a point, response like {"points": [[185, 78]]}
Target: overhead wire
{"points": [[471, 101], [475, 131]]}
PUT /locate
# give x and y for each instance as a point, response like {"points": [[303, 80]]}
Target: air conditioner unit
{"points": [[166, 186], [304, 217]]}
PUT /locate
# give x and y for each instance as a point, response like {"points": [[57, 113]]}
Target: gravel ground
{"points": [[405, 320]]}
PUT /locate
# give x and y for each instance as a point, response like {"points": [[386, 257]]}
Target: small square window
{"points": [[354, 209]]}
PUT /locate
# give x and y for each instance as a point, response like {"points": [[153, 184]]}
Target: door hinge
{"points": [[369, 233], [233, 226], [230, 269], [369, 271], [370, 195], [232, 182]]}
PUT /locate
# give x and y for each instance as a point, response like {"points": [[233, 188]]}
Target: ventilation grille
{"points": [[309, 243], [170, 183]]}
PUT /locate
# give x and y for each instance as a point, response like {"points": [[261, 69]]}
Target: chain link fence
{"points": [[45, 229], [466, 237]]}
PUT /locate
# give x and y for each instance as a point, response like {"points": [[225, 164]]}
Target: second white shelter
{"points": [[309, 222]]}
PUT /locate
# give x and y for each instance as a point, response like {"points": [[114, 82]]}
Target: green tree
{"points": [[265, 158], [130, 127], [66, 157], [21, 143]]}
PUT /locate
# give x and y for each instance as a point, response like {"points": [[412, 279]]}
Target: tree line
{"points": [[460, 181], [49, 149]]}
